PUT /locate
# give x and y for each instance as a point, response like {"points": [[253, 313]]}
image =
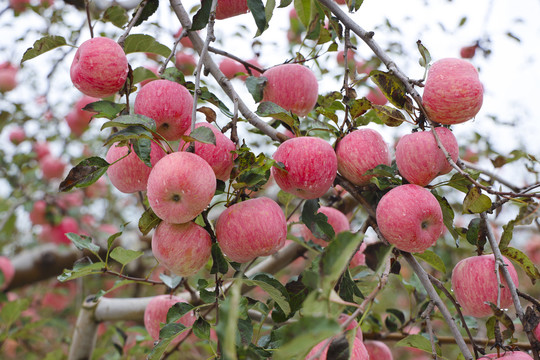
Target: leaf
{"points": [[172, 281], [507, 235], [149, 9], [125, 256], [416, 341], [178, 310], [141, 73], [116, 15], [393, 89], [219, 263], [448, 215], [257, 10], [209, 113], [105, 109], [273, 288], [316, 222], [125, 121], [523, 261], [200, 19], [432, 259], [130, 132], [142, 148], [461, 183], [80, 270], [268, 108], [84, 173], [303, 9], [43, 45], [358, 107], [426, 57], [475, 202], [473, 231], [145, 43], [83, 242], [201, 134], [173, 74], [11, 311], [201, 329], [206, 95], [148, 221], [388, 115], [255, 86], [336, 257], [227, 326]]}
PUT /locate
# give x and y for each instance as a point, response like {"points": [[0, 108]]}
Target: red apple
{"points": [[376, 96], [474, 282], [56, 233], [37, 214], [360, 151], [186, 41], [353, 324], [537, 332], [186, 63], [229, 8], [359, 258], [153, 69], [378, 350], [410, 218], [180, 187], [363, 67], [420, 160], [17, 135], [336, 219], [169, 104], [253, 72], [230, 67], [99, 68], [453, 92], [341, 57], [41, 149], [156, 313], [532, 248], [293, 87], [359, 351], [218, 156], [8, 271], [131, 174], [182, 248], [97, 190], [310, 167], [79, 119], [468, 52], [60, 296], [251, 228], [8, 77], [52, 167], [510, 355], [69, 200]]}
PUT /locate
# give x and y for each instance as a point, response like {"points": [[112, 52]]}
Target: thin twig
{"points": [[132, 22]]}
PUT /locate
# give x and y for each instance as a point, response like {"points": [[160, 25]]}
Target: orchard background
{"points": [[98, 281]]}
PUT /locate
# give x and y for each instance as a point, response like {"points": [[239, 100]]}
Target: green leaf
{"points": [[432, 259], [148, 221], [83, 242], [303, 9], [336, 256], [178, 310], [388, 115], [202, 134], [448, 215], [473, 231], [219, 263], [284, 3], [315, 221], [358, 107], [125, 121], [145, 43], [227, 327], [201, 329], [149, 9], [84, 173], [426, 57], [141, 73], [416, 341], [172, 281], [80, 270], [206, 95], [268, 12], [105, 109], [257, 10], [507, 235], [393, 89], [43, 45], [11, 311], [475, 202], [173, 74], [268, 108], [200, 19], [255, 86], [273, 288], [125, 256], [116, 15], [131, 132], [142, 148], [523, 261]]}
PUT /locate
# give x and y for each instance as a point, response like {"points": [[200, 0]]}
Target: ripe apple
{"points": [[378, 350], [353, 324], [474, 282], [19, 6], [185, 62], [169, 104], [17, 135], [186, 41], [182, 248], [52, 167], [336, 219], [341, 57], [56, 233], [293, 87], [41, 149], [8, 271], [468, 52], [59, 296], [97, 190], [251, 228], [99, 68], [37, 214], [420, 160], [131, 174], [359, 258], [310, 167], [218, 156], [230, 68], [229, 8], [360, 151], [376, 96], [8, 77], [156, 313], [153, 69], [79, 119], [453, 92], [180, 187], [410, 218], [253, 72], [363, 67], [532, 248], [510, 355], [537, 332], [359, 351]]}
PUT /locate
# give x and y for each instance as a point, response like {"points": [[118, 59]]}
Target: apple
{"points": [[69, 200], [359, 351], [230, 67], [169, 104], [219, 156], [186, 41], [359, 258], [363, 67], [453, 92], [52, 167], [419, 158], [182, 248], [360, 151], [17, 135], [97, 190], [251, 228], [537, 332], [510, 355], [468, 52], [180, 187], [229, 8], [341, 57], [56, 233], [8, 77], [79, 119], [336, 219], [293, 87], [8, 271], [60, 295], [100, 67], [41, 149], [352, 325], [375, 96], [410, 218], [156, 313], [474, 282], [378, 350], [251, 71], [185, 62], [19, 6], [38, 213], [153, 69], [310, 165], [130, 174]]}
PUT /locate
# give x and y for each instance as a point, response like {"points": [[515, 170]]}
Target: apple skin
{"points": [[180, 187], [169, 104], [510, 355], [375, 96], [254, 72], [360, 151], [99, 68], [8, 77], [52, 167], [229, 8], [420, 160], [218, 156], [186, 63], [130, 174], [17, 135], [156, 313], [474, 282], [79, 119], [310, 167], [230, 68], [336, 219], [359, 258], [468, 52], [353, 324], [7, 268], [293, 87], [37, 214], [537, 332], [186, 41], [251, 228], [359, 351], [453, 92], [182, 248], [341, 57], [410, 218], [41, 149], [56, 233], [378, 350]]}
